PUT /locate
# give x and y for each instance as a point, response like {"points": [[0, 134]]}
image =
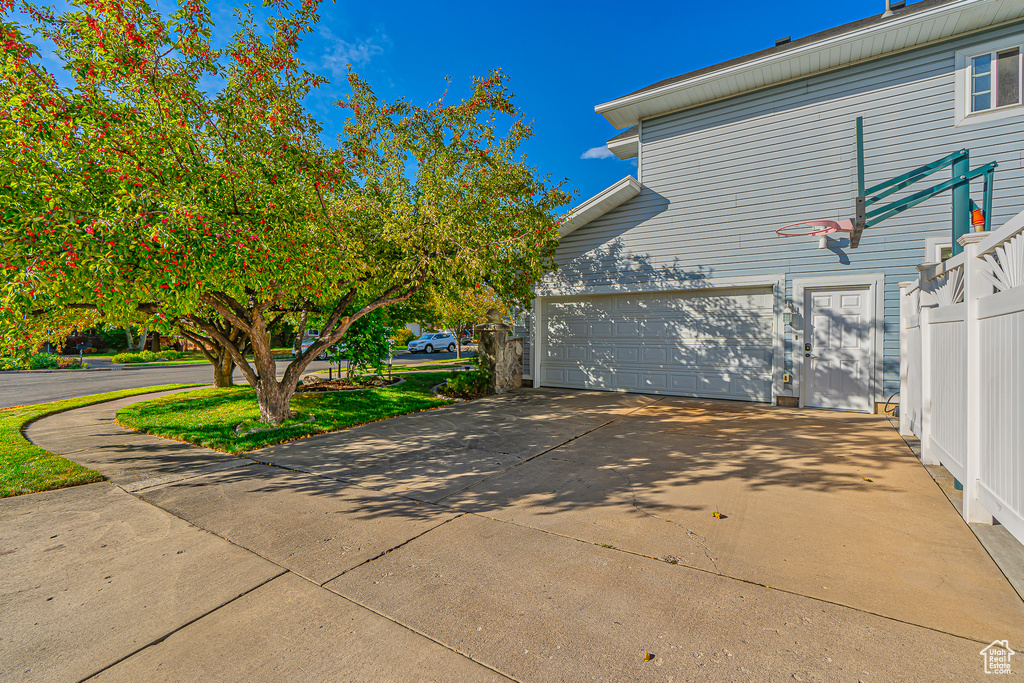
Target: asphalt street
{"points": [[22, 388]]}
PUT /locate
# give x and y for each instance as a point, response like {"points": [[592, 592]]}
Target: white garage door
{"points": [[710, 343]]}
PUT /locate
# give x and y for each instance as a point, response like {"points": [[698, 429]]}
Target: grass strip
{"points": [[27, 468], [162, 363], [222, 418]]}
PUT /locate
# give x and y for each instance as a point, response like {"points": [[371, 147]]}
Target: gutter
{"points": [[613, 109]]}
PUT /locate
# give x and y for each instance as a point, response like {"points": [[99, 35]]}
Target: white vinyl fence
{"points": [[962, 371]]}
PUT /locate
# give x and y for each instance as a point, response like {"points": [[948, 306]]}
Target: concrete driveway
{"points": [[543, 535]]}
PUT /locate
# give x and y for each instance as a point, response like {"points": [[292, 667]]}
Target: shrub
{"points": [[402, 337], [126, 358], [43, 361], [12, 364], [147, 356], [171, 355], [468, 384], [51, 361]]}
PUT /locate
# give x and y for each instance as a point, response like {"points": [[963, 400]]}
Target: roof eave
{"points": [[631, 109], [625, 148], [600, 204]]}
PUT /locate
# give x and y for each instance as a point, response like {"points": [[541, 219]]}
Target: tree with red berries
{"points": [[139, 193]]}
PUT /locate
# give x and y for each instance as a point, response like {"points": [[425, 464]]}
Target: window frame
{"points": [[965, 81]]}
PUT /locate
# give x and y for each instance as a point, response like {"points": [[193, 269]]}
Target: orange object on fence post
{"points": [[977, 218]]}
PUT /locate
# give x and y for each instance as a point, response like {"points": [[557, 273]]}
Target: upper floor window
{"points": [[989, 81], [995, 79]]}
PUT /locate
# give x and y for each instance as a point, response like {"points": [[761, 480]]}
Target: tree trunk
{"points": [[274, 400], [274, 397], [132, 346], [223, 370]]}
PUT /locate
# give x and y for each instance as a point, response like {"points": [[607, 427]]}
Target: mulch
{"points": [[345, 385]]}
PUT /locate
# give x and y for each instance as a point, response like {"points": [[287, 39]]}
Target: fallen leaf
{"points": [[648, 656], [866, 479]]}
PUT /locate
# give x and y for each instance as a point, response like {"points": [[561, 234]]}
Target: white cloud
{"points": [[341, 53], [601, 152]]}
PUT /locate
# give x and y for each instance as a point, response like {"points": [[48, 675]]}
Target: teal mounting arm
{"points": [[959, 184]]}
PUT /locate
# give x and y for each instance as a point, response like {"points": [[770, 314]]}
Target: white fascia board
{"points": [[576, 288], [626, 148], [888, 37], [600, 204]]}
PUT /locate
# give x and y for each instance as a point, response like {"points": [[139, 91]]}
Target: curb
{"points": [[30, 372], [436, 394]]}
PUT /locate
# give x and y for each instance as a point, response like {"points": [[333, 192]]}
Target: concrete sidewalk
{"points": [[543, 535]]}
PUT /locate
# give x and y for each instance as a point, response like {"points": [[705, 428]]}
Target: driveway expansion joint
{"points": [[690, 533], [738, 579], [323, 586], [390, 550], [188, 623]]}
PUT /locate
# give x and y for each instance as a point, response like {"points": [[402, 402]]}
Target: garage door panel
{"points": [[731, 356], [627, 354], [630, 302], [715, 343], [653, 354], [654, 381], [576, 352], [627, 380], [684, 383], [554, 352], [627, 330], [554, 376], [578, 330]]}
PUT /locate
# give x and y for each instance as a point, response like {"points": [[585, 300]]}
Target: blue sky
{"points": [[563, 57]]}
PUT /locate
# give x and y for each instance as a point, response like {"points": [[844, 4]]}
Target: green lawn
{"points": [[27, 468], [209, 417]]}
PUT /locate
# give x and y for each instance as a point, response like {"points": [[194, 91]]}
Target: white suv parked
{"points": [[433, 341]]}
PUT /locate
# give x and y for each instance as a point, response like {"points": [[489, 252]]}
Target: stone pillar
{"points": [[501, 354]]}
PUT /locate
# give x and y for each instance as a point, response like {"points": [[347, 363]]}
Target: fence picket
{"points": [[962, 374]]}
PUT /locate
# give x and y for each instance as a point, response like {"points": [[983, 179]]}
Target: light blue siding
{"points": [[720, 178]]}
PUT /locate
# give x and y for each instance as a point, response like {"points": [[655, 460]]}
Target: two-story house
{"points": [[675, 282]]}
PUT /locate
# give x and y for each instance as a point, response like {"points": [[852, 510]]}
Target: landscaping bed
{"points": [[314, 384], [43, 361], [27, 468], [227, 419]]}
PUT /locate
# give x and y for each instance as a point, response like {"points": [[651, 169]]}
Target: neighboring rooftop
{"points": [[914, 25]]}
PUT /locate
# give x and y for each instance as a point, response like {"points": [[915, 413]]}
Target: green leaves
{"points": [[142, 191]]}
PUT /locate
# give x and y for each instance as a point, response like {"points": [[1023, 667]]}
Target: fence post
{"points": [[975, 287], [928, 456], [906, 354]]}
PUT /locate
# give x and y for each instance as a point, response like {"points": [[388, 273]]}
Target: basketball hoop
{"points": [[816, 228]]}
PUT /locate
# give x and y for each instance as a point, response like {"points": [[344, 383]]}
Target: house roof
{"points": [[600, 204], [918, 24], [626, 144]]}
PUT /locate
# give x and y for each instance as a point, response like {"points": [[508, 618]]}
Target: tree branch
{"points": [[251, 377]]}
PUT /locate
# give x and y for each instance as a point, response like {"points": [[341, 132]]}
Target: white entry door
{"points": [[839, 360]]}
